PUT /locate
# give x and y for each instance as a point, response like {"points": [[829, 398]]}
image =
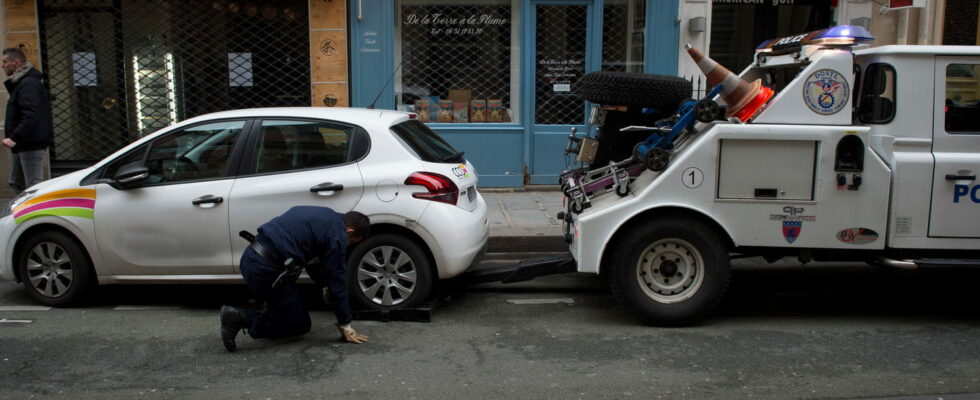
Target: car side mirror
{"points": [[130, 175]]}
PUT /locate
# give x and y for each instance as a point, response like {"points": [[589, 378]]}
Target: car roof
{"points": [[920, 50], [340, 114]]}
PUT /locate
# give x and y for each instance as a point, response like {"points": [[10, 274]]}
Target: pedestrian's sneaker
{"points": [[232, 321]]}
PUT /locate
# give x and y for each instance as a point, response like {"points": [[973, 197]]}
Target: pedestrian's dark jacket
{"points": [[306, 233], [28, 118]]}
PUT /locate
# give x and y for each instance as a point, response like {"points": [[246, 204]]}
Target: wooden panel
{"points": [[329, 56], [330, 95], [26, 42], [20, 15], [328, 14]]}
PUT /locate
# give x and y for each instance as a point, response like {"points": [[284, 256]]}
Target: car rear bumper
{"points": [[456, 237]]}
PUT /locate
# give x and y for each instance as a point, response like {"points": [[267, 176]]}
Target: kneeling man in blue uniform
{"points": [[314, 237]]}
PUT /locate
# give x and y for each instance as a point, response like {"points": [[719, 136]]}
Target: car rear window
{"points": [[426, 144]]}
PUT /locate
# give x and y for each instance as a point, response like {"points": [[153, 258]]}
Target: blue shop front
{"points": [[496, 78]]}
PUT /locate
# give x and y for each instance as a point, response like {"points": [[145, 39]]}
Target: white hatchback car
{"points": [[168, 208]]}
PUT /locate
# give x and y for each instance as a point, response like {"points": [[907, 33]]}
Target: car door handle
{"points": [[951, 177], [207, 199], [326, 186]]}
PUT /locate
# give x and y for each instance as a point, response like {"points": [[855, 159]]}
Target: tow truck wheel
{"points": [[55, 270], [671, 271], [707, 110], [389, 271], [656, 159]]}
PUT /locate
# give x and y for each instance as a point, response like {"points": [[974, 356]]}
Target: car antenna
{"points": [[371, 107]]}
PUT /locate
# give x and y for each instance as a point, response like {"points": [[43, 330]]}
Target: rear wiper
{"points": [[454, 157]]}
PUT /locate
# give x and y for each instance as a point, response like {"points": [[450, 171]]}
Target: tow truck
{"points": [[866, 154]]}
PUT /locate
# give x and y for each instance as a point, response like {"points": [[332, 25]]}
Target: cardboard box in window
{"points": [[445, 113], [478, 110], [495, 110], [461, 112], [460, 95], [423, 107]]}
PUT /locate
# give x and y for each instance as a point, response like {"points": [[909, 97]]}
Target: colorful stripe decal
{"points": [[65, 203]]}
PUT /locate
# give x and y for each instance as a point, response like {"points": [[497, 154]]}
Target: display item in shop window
{"points": [[461, 112], [445, 113], [495, 107], [460, 95], [478, 110], [423, 107]]}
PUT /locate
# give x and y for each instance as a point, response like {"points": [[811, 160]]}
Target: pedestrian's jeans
{"points": [[285, 314], [27, 168]]}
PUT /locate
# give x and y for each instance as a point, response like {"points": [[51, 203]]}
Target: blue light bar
{"points": [[856, 33], [841, 35]]}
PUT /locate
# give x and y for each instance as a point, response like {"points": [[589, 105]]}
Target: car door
{"points": [[291, 163], [176, 221], [956, 148]]}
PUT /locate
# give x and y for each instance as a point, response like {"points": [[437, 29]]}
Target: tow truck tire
{"points": [[634, 89], [671, 271], [55, 269], [389, 271]]}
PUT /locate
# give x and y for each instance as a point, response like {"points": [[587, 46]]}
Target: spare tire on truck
{"points": [[633, 89]]}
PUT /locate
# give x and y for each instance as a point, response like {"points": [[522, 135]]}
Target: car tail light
{"points": [[413, 116], [440, 188]]}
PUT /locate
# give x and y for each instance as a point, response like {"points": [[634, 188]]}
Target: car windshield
{"points": [[427, 145]]}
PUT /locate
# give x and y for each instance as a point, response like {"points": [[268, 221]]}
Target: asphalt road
{"points": [[836, 331]]}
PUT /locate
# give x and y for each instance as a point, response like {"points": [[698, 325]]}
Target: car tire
{"points": [[635, 89], [55, 269], [671, 271], [389, 271]]}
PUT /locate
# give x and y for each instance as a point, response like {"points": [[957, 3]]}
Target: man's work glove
{"points": [[350, 335]]}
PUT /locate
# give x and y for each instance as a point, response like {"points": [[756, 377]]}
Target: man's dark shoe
{"points": [[232, 321]]}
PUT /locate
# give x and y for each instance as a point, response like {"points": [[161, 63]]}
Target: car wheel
{"points": [[635, 89], [389, 271], [670, 271], [55, 270]]}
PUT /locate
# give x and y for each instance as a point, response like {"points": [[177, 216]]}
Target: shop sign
{"points": [[442, 24], [771, 3]]}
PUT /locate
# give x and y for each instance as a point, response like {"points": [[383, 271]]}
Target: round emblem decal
{"points": [[826, 92]]}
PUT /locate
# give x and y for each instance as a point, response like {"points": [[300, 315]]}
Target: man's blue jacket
{"points": [[306, 233]]}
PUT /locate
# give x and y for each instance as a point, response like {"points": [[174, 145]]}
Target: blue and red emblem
{"points": [[791, 230]]}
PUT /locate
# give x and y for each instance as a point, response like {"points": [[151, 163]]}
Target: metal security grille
{"points": [[461, 48], [120, 69], [560, 63], [623, 25]]}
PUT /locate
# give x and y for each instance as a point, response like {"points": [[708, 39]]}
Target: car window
{"points": [[198, 152], [878, 95], [427, 145], [293, 145], [962, 108]]}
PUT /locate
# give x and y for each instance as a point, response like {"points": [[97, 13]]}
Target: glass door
{"points": [[561, 50]]}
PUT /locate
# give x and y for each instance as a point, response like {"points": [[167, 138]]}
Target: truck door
{"points": [[956, 149]]}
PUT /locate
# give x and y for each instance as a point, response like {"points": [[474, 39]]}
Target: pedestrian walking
{"points": [[27, 124], [314, 238]]}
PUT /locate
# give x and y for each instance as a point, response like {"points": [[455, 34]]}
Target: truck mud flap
{"points": [[524, 270]]}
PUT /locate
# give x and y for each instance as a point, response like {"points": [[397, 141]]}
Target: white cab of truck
{"points": [[862, 154]]}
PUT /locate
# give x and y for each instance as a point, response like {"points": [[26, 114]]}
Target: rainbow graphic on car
{"points": [[63, 203]]}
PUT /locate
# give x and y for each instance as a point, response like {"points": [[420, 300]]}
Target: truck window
{"points": [[962, 110], [878, 95]]}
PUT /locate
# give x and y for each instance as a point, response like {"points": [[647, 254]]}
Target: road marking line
{"points": [[566, 300], [24, 308], [140, 308], [15, 321]]}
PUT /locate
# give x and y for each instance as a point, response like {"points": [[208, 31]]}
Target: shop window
{"points": [[878, 95], [623, 26], [458, 62], [962, 108]]}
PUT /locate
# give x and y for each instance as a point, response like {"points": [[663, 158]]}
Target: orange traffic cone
{"points": [[744, 99]]}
